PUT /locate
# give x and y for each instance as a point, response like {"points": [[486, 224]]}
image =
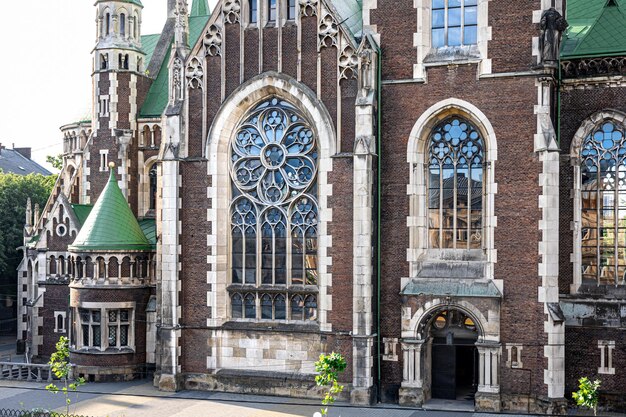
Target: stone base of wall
{"points": [[166, 382], [487, 402], [261, 383], [363, 396], [411, 397], [111, 373]]}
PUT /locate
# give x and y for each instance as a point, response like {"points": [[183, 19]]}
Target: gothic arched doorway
{"points": [[454, 357]]}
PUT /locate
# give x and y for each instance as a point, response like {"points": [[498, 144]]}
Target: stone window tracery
{"points": [[274, 215], [455, 185], [603, 205]]}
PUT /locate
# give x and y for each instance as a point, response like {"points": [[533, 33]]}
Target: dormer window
{"points": [[272, 11], [454, 23], [254, 8]]}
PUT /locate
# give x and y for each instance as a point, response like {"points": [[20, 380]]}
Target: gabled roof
{"points": [[13, 162], [111, 225], [597, 28], [148, 45], [82, 212], [158, 94]]}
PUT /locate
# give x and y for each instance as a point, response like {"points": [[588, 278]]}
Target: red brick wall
{"points": [[508, 105]]}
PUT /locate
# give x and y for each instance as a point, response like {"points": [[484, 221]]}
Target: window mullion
{"points": [[454, 202], [273, 256], [468, 205], [440, 204], [445, 23], [615, 224], [462, 22], [598, 223]]}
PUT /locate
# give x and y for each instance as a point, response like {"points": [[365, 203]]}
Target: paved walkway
{"points": [[140, 399]]}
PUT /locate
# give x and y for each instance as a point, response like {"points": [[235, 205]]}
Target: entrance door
{"points": [[444, 372]]}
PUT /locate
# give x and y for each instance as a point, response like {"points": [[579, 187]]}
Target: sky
{"points": [[45, 69]]}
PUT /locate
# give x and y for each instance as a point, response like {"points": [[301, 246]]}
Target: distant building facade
{"points": [[428, 187], [18, 161]]}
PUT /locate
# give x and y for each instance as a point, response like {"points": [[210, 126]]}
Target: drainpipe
{"points": [[378, 209]]}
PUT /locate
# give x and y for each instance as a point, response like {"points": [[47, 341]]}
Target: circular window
{"points": [[440, 322], [61, 230]]}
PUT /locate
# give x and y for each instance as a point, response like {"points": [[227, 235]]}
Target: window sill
{"points": [[286, 326], [452, 55], [108, 351]]}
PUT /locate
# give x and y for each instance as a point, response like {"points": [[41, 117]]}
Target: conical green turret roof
{"points": [[111, 225], [199, 8]]}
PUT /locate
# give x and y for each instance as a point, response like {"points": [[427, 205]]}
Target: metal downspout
{"points": [[379, 212]]}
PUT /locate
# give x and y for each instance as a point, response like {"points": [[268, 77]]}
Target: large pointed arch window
{"points": [[274, 215], [603, 205], [455, 185]]}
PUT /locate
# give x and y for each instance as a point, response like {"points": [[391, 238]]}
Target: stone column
{"points": [[167, 288], [412, 388], [548, 151], [488, 395], [363, 391]]}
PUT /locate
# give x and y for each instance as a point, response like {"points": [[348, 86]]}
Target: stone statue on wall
{"points": [[552, 26]]}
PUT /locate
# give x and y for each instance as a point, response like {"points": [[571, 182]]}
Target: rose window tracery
{"points": [[274, 214]]}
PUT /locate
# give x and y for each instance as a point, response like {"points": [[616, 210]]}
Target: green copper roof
{"points": [[111, 225], [148, 45], [597, 28], [82, 212], [158, 94], [148, 227], [451, 287], [350, 13], [199, 8]]}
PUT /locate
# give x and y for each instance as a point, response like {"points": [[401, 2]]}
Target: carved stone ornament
{"points": [[194, 73], [328, 30], [366, 58], [308, 7], [552, 26], [180, 11], [594, 67], [177, 69], [231, 10], [213, 41], [348, 63]]}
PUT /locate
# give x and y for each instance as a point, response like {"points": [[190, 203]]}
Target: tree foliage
{"points": [[62, 368], [55, 161], [328, 368], [587, 394], [14, 191]]}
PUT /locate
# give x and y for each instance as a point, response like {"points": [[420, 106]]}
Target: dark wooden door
{"points": [[444, 372]]}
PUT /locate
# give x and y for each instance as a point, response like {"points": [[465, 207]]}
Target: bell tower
{"points": [[119, 71]]}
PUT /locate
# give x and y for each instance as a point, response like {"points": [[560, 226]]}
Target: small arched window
{"points": [[153, 186], [603, 205], [291, 9], [107, 24], [254, 9], [272, 11], [123, 24], [455, 185]]}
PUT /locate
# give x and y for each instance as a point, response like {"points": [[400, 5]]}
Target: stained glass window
{"points": [[454, 22], [455, 185], [603, 205], [274, 213]]}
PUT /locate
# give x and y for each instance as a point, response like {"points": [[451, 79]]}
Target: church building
{"points": [[432, 188]]}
